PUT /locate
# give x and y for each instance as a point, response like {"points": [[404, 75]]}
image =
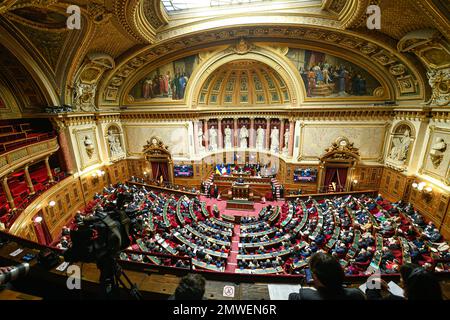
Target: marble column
{"points": [[49, 170], [219, 133], [251, 141], [65, 150], [28, 180], [196, 142], [205, 133], [281, 145], [235, 131], [9, 197], [291, 137], [268, 133]]}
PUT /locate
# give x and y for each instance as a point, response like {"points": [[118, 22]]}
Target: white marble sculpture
{"points": [[437, 151], [260, 138], [212, 139], [399, 151], [228, 138], [89, 146], [200, 140], [275, 140], [243, 135]]}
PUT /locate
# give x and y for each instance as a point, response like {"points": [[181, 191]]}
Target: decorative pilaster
{"points": [[268, 133], [252, 143], [9, 197], [291, 137], [281, 143], [235, 131], [205, 133], [196, 142], [219, 130], [28, 180]]}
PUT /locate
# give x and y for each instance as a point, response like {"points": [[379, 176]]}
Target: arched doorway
{"points": [[337, 166], [160, 159]]}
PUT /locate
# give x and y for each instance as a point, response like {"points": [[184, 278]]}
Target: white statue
{"points": [[260, 138], [275, 140], [89, 146], [228, 140], [243, 135], [200, 140], [437, 152], [119, 149], [286, 140], [399, 151], [112, 142], [212, 139]]}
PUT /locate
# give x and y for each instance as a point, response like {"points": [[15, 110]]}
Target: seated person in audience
{"points": [[328, 277], [419, 284], [191, 287]]}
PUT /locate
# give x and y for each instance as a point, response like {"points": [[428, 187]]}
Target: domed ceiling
{"points": [[244, 82]]}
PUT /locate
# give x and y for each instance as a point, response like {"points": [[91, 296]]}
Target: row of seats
{"points": [[359, 231], [13, 136]]}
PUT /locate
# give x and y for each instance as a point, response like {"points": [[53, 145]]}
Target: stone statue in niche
{"points": [[228, 140], [260, 138], [89, 146], [286, 141], [200, 140], [399, 151], [115, 146], [437, 151], [212, 139], [275, 140], [243, 135]]}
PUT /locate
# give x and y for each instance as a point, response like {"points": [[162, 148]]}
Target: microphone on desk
{"points": [[16, 272]]}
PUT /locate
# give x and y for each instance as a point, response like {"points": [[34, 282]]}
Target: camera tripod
{"points": [[110, 279]]}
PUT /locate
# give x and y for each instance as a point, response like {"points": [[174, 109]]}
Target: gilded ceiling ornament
{"points": [[439, 81], [397, 70], [243, 47], [368, 48]]}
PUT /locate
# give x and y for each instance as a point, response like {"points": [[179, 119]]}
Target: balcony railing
{"points": [[16, 158]]}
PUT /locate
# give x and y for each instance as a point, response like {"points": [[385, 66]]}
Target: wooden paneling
{"points": [[394, 185], [433, 206], [291, 186], [368, 177]]}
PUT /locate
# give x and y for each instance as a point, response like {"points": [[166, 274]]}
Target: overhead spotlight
{"points": [[52, 203], [429, 189], [415, 185], [355, 181]]}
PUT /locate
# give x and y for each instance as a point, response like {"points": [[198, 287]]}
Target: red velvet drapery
{"points": [[160, 169], [338, 176]]}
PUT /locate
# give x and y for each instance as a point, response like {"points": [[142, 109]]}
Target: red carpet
{"points": [[232, 257]]}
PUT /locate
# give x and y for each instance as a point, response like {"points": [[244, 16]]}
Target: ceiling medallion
{"points": [[243, 47]]}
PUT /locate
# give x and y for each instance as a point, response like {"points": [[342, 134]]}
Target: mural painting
{"points": [[166, 82], [327, 76]]}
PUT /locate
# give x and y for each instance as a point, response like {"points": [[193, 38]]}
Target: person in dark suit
{"points": [[191, 287], [328, 277]]}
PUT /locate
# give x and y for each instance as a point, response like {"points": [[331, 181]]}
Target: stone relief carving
{"points": [[84, 96], [400, 148], [114, 142], [439, 81], [85, 87], [437, 151], [89, 146]]}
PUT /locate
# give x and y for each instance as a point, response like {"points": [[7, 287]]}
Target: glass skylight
{"points": [[180, 5]]}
